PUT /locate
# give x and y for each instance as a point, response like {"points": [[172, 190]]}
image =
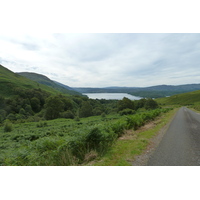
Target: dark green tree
{"points": [[151, 104], [28, 110], [35, 104], [125, 103], [67, 103], [86, 109], [2, 102], [11, 117], [53, 106], [139, 103]]}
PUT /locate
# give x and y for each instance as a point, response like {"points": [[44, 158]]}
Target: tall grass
{"points": [[70, 143]]}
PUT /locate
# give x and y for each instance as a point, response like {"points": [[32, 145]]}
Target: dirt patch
{"points": [[131, 134], [148, 126], [90, 156], [128, 135]]}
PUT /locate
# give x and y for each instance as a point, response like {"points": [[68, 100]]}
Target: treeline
{"points": [[36, 105], [127, 106]]}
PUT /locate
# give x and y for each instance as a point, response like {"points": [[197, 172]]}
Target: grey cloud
{"points": [[29, 46], [109, 59]]}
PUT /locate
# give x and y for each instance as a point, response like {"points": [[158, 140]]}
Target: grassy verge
{"points": [[133, 143]]}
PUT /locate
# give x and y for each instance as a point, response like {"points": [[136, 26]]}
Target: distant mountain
{"points": [[48, 82], [147, 92]]}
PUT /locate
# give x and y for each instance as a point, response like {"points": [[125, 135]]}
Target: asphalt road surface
{"points": [[180, 145]]}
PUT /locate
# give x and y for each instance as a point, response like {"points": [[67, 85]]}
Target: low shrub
{"points": [[127, 111], [93, 138], [119, 127], [67, 114], [78, 148], [41, 124], [77, 119], [8, 126]]}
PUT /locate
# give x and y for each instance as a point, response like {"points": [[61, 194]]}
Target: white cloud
{"points": [[100, 60]]}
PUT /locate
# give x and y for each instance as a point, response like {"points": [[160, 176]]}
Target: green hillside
{"points": [[48, 82], [11, 83], [189, 98]]}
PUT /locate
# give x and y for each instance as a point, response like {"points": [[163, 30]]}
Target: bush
{"points": [[127, 111], [8, 126], [78, 148], [131, 122], [41, 124], [94, 138], [119, 128], [11, 117], [77, 119], [103, 115], [67, 114]]}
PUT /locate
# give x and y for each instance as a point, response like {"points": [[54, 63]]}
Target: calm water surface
{"points": [[117, 96]]}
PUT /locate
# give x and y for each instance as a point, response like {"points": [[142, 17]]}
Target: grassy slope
{"points": [[10, 80], [181, 99], [48, 82]]}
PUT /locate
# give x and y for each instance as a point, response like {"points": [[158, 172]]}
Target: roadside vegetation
{"points": [[133, 142], [65, 141], [38, 129]]}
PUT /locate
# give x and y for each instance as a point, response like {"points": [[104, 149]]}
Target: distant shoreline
{"points": [[111, 96]]}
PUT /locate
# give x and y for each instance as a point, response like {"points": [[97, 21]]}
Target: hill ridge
{"points": [[11, 82], [42, 79]]}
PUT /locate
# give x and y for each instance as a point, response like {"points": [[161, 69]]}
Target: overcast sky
{"points": [[101, 60]]}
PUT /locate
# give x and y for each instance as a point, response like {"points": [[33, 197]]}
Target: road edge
{"points": [[142, 159]]}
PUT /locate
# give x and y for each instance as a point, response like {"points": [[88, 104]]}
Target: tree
{"points": [[140, 103], [2, 102], [86, 109], [67, 104], [11, 117], [35, 104], [28, 110], [22, 111], [54, 106], [151, 104], [125, 103], [2, 115]]}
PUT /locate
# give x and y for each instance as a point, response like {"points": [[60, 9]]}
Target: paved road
{"points": [[180, 145]]}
